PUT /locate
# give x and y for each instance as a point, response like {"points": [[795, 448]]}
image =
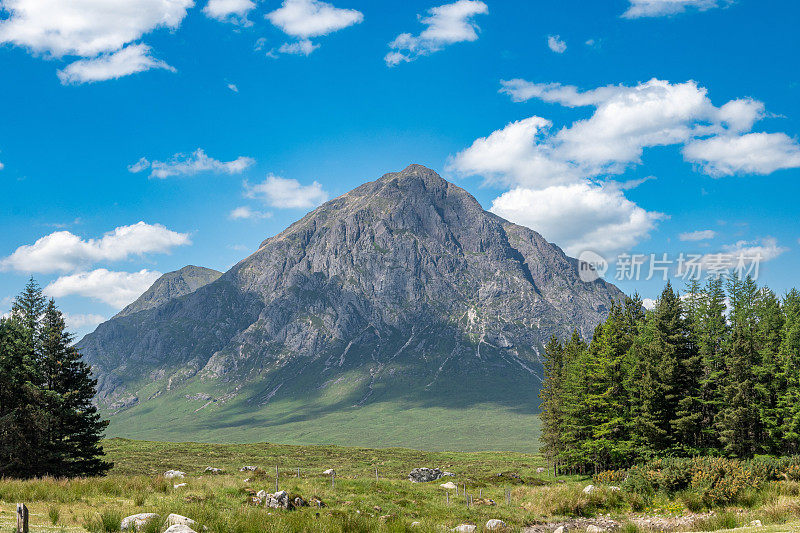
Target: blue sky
{"points": [[151, 134]]}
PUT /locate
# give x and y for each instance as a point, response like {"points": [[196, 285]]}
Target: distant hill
{"points": [[400, 313], [170, 286]]}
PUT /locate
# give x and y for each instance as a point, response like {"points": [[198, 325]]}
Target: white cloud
{"points": [[446, 24], [2, 166], [246, 213], [191, 164], [83, 321], [699, 235], [752, 153], [63, 251], [303, 48], [233, 87], [116, 289], [579, 217], [539, 161], [130, 60], [660, 8], [742, 254], [556, 44], [90, 29], [229, 10], [648, 303], [287, 193], [304, 19]]}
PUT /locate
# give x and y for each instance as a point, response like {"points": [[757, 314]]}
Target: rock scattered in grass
{"points": [[449, 485], [176, 520], [174, 474], [180, 528], [425, 475], [247, 469], [137, 521], [212, 470], [465, 528], [495, 524]]}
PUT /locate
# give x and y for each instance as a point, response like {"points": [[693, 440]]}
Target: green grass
{"points": [[357, 502]]}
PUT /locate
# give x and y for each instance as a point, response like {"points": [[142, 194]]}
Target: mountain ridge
{"points": [[403, 291]]}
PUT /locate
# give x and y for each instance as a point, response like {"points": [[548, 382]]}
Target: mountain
{"points": [[400, 313], [170, 286]]}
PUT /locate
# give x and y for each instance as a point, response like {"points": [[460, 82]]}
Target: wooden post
{"points": [[276, 478], [333, 479], [298, 471], [22, 518], [376, 474]]}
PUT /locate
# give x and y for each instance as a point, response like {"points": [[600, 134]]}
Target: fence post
{"points": [[376, 474], [276, 478], [22, 518]]}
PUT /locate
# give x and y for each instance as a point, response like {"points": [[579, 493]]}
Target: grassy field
{"points": [[357, 502]]}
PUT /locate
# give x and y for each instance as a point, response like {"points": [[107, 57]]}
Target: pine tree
{"points": [[551, 401], [712, 334], [768, 375], [789, 398], [739, 422]]}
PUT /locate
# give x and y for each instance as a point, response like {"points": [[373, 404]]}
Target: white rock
{"points": [[212, 470], [261, 494], [495, 525], [329, 471], [247, 469], [560, 529], [589, 489], [449, 485], [179, 485], [137, 521], [540, 470], [594, 529], [174, 474], [465, 528], [178, 520], [416, 524], [180, 528], [756, 523]]}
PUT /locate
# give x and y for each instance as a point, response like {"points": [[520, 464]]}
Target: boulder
{"points": [[180, 528], [247, 469], [589, 489], [279, 500], [261, 494], [449, 485], [137, 521], [179, 485], [329, 472], [591, 528], [212, 470], [424, 475], [299, 502], [495, 524], [178, 520], [560, 529], [174, 474], [465, 528]]}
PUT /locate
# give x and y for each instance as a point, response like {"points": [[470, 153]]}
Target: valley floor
{"points": [[501, 485]]}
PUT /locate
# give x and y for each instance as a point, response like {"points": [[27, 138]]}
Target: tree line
{"points": [[715, 372], [48, 425]]}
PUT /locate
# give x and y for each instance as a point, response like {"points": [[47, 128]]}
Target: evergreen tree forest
{"points": [[48, 425], [712, 372]]}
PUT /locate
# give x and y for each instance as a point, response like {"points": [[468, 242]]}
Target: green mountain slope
{"points": [[400, 313]]}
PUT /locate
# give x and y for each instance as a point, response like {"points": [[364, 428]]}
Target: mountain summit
{"points": [[396, 314]]}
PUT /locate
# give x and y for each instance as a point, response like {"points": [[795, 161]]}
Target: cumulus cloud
{"points": [[538, 160], [660, 8], [130, 60], [301, 48], [579, 217], [699, 235], [446, 24], [83, 321], [247, 213], [191, 164], [89, 29], [233, 87], [234, 11], [116, 289], [742, 255], [752, 153], [287, 193], [649, 303], [63, 251], [304, 19], [556, 44]]}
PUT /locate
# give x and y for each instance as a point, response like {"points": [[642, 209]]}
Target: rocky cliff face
{"points": [[401, 287]]}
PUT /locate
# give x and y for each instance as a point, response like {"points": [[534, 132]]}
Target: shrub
{"points": [[54, 513], [611, 477]]}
